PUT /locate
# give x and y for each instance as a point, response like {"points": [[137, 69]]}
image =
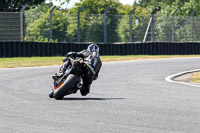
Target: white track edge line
{"points": [[171, 77]]}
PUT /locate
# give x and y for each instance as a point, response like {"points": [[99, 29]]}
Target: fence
{"points": [[9, 26], [63, 27], [28, 49]]}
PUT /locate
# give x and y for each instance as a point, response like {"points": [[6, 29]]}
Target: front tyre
{"points": [[51, 94], [65, 87]]}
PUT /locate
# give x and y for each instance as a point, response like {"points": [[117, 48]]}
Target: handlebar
{"points": [[72, 59]]}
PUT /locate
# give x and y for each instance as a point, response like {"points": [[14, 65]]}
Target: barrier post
{"points": [[105, 28], [173, 25], [130, 23], [78, 34], [191, 25], [50, 23], [22, 22]]}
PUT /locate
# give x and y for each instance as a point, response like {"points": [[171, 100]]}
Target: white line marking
{"points": [[171, 77]]}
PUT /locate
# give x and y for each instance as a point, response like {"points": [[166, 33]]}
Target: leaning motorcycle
{"points": [[70, 80]]}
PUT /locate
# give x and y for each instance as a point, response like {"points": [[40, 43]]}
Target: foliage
{"points": [[182, 25], [92, 25], [38, 24], [16, 5], [185, 7], [118, 25], [139, 22], [97, 6]]}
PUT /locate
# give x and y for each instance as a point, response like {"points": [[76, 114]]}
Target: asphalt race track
{"points": [[128, 97]]}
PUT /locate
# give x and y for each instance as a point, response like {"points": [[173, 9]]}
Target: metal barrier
{"points": [[59, 26], [28, 49]]}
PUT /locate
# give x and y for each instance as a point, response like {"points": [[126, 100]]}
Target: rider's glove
{"points": [[65, 59], [96, 77], [71, 54]]}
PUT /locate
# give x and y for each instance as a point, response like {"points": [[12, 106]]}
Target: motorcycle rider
{"points": [[93, 61]]}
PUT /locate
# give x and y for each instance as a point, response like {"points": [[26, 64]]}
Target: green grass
{"points": [[49, 61], [29, 61], [195, 78]]}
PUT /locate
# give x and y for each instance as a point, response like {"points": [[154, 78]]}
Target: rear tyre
{"points": [[66, 87]]}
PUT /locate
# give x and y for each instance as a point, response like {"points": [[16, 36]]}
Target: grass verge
{"points": [[195, 78], [49, 61]]}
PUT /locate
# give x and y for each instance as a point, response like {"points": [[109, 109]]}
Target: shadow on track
{"points": [[92, 99]]}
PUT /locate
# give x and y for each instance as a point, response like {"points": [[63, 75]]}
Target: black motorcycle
{"points": [[70, 80]]}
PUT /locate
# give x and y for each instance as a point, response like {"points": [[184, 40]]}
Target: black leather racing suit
{"points": [[94, 64]]}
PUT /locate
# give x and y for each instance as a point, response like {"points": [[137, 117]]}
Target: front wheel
{"points": [[51, 94], [65, 87]]}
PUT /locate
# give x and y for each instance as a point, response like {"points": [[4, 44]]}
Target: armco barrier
{"points": [[28, 49]]}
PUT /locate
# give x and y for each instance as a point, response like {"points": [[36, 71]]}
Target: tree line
{"points": [[185, 7], [64, 21]]}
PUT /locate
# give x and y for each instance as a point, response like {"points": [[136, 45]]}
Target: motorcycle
{"points": [[70, 80]]}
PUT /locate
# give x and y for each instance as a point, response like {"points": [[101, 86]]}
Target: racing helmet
{"points": [[93, 48]]}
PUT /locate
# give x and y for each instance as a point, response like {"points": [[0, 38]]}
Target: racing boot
{"points": [[85, 90], [77, 87]]}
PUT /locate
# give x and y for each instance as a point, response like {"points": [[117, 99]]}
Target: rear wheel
{"points": [[65, 87]]}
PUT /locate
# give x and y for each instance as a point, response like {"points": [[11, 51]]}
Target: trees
{"points": [[92, 25], [37, 20], [92, 22], [182, 22], [118, 27], [169, 6], [139, 22], [16, 5], [97, 6]]}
